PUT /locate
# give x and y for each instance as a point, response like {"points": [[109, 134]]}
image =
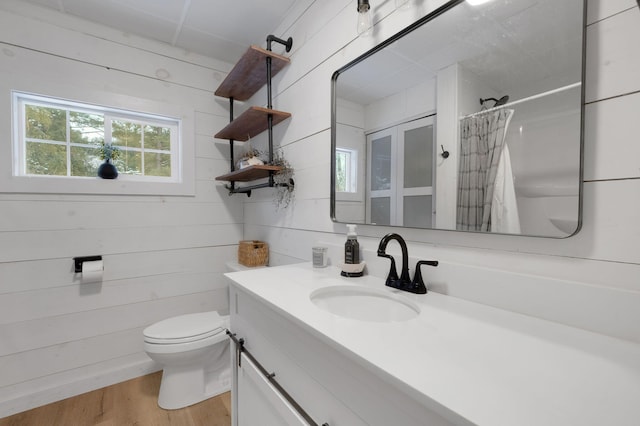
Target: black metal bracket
{"points": [[78, 261], [239, 345], [286, 43], [247, 189]]}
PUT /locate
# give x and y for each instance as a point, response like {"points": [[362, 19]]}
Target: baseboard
{"points": [[42, 391]]}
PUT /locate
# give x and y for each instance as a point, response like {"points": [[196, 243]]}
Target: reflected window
{"points": [[346, 170]]}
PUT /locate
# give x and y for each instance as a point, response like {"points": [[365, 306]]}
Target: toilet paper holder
{"points": [[78, 261]]}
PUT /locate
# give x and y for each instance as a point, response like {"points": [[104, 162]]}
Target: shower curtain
{"points": [[504, 206], [482, 138]]}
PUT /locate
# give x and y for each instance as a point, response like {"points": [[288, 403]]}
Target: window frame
{"points": [[180, 122]]}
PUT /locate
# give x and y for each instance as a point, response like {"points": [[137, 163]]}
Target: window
{"points": [[58, 138], [346, 170]]}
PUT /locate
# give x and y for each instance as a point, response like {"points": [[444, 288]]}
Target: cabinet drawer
{"points": [[259, 402], [248, 323]]}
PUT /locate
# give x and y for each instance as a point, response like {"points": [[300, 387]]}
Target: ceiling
{"points": [[222, 29]]}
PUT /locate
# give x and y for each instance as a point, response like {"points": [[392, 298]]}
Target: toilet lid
{"points": [[185, 328]]}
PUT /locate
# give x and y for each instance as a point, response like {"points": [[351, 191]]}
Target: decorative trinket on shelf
{"points": [[108, 152]]}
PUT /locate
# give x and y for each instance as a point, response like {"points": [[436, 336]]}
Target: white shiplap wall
{"points": [[58, 338], [163, 255], [603, 258]]}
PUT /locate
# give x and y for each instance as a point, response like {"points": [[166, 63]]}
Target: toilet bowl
{"points": [[194, 352]]}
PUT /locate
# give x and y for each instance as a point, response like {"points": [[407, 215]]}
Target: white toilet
{"points": [[194, 352]]}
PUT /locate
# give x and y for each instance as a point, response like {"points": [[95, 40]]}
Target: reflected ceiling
{"points": [[505, 36]]}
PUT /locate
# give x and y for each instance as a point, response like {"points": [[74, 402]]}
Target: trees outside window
{"points": [[62, 138]]}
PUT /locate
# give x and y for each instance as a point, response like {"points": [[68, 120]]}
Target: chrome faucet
{"points": [[403, 282]]}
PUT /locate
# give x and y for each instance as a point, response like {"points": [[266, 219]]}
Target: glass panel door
{"points": [[381, 191], [415, 196]]}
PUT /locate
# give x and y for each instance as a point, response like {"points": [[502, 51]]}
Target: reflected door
{"points": [[401, 175]]}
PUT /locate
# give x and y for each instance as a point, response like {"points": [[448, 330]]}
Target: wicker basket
{"points": [[253, 253]]}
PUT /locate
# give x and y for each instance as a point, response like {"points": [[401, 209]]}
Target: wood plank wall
{"points": [[163, 255], [35, 256], [604, 254]]}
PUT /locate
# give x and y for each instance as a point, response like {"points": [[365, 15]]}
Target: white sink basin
{"points": [[365, 304]]}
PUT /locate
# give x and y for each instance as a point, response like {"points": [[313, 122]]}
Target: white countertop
{"points": [[489, 366]]}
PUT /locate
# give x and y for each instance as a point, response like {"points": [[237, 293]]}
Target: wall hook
{"points": [[445, 154]]}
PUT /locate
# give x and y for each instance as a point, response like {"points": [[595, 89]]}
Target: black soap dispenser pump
{"points": [[351, 247]]}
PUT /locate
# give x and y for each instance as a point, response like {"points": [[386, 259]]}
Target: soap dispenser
{"points": [[351, 247]]}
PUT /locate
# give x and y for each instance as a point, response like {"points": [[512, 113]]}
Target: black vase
{"points": [[107, 170]]}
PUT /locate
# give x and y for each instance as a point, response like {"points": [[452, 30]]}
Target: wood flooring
{"points": [[133, 402]]}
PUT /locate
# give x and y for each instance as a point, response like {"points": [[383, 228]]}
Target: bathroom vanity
{"points": [[349, 351]]}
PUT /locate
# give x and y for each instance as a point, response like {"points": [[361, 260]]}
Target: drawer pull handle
{"points": [[270, 376]]}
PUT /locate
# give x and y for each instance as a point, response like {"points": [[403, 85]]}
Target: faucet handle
{"points": [[417, 285], [392, 278]]}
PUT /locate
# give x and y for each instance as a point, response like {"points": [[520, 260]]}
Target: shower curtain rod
{"points": [[529, 98]]}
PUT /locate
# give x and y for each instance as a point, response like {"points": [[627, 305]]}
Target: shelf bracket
{"points": [[287, 44], [247, 189]]}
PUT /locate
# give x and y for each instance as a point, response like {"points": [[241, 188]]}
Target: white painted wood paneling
{"points": [[32, 334], [69, 21], [163, 255], [29, 305], [610, 126], [613, 57], [599, 9], [82, 215], [101, 52], [26, 366], [45, 244]]}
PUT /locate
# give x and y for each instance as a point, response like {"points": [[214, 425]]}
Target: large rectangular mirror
{"points": [[470, 119]]}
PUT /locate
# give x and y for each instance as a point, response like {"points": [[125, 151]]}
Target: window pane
{"points": [[65, 139], [126, 134], [418, 157], [86, 128], [381, 163], [129, 162], [341, 171], [417, 211], [84, 161], [46, 123], [46, 159], [381, 211], [156, 137], [156, 164]]}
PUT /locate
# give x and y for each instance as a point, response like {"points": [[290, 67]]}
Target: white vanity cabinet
{"points": [[455, 363], [331, 387]]}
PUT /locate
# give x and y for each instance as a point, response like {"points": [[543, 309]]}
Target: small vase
{"points": [[107, 170]]}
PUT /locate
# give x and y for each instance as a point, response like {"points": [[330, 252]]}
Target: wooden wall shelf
{"points": [[251, 123], [250, 74], [255, 69], [249, 174]]}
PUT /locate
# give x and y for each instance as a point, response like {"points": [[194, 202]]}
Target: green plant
{"points": [[283, 179], [108, 151]]}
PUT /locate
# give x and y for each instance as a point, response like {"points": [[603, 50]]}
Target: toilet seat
{"points": [[185, 328]]}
